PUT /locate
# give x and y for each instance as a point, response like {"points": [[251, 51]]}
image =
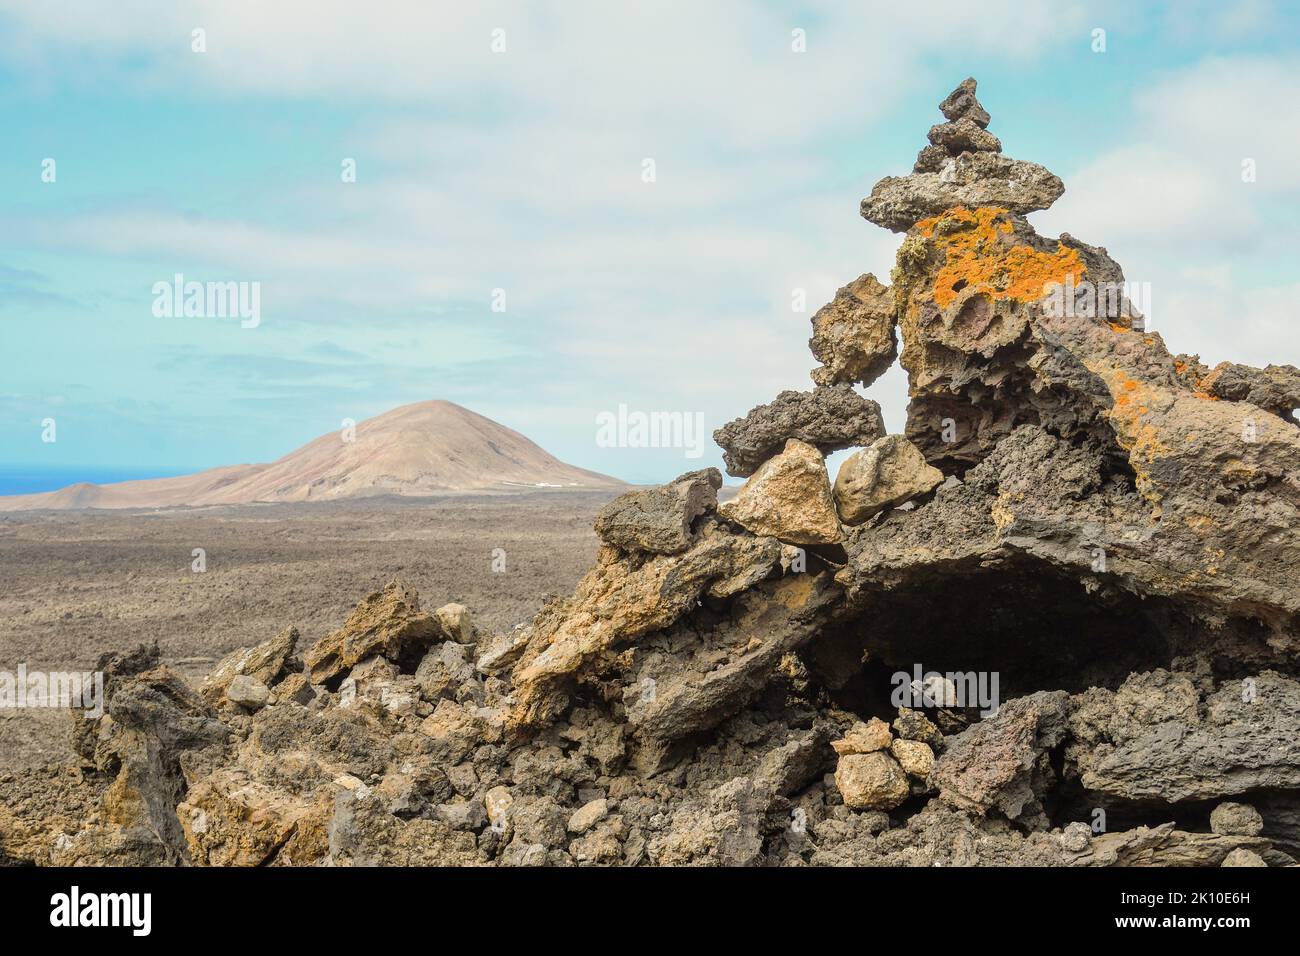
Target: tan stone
{"points": [[871, 781], [620, 599], [497, 802], [916, 759], [587, 816], [1243, 857], [456, 622], [248, 692], [888, 472], [789, 498], [864, 738]]}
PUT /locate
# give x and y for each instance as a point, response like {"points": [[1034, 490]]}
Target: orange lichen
{"points": [[979, 258], [1137, 435]]}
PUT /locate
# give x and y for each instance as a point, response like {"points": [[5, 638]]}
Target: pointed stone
{"points": [[961, 103], [789, 498]]}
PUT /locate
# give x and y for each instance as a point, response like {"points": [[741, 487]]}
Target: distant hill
{"points": [[419, 449]]}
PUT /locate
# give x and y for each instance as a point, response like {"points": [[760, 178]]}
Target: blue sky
{"points": [[522, 170]]}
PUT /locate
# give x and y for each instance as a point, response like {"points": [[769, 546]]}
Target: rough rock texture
{"points": [[828, 418], [388, 622], [265, 663], [871, 781], [1082, 648], [886, 473], [1004, 763], [1236, 819], [1159, 737], [789, 498], [854, 335], [962, 167], [1274, 388], [659, 520]]}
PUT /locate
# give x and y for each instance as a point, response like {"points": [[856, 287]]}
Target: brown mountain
{"points": [[419, 449]]}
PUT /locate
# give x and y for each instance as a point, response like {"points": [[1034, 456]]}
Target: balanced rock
{"points": [[963, 136], [969, 181], [962, 103], [883, 475], [789, 498], [872, 781], [864, 738], [962, 167], [916, 759], [659, 520], [828, 418], [1236, 819], [854, 335]]}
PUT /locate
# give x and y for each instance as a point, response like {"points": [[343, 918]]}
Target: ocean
{"points": [[28, 479]]}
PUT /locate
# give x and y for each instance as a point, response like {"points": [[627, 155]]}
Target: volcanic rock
{"points": [[871, 781], [388, 622], [864, 738], [659, 520], [1274, 388], [828, 418], [854, 335], [247, 692], [789, 498], [962, 103], [1107, 571], [1236, 819], [887, 473], [264, 663], [916, 759]]}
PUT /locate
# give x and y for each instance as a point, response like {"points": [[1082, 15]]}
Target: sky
{"points": [[563, 208]]}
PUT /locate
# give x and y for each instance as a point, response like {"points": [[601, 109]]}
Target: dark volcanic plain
{"points": [[76, 584]]}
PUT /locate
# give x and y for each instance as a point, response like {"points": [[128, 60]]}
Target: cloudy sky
{"points": [[503, 146]]}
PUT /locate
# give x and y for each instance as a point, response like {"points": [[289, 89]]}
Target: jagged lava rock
{"points": [[388, 622], [264, 663], [829, 418], [854, 335], [658, 520]]}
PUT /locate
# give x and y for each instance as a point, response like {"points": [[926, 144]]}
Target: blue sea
{"points": [[27, 479]]}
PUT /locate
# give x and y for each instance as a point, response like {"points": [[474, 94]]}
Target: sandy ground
{"points": [[76, 584]]}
